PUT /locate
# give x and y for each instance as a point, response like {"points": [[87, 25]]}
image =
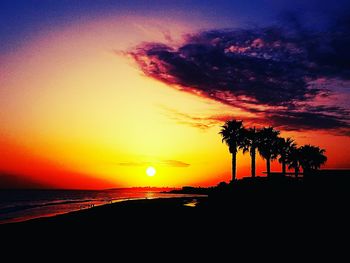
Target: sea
{"points": [[22, 205]]}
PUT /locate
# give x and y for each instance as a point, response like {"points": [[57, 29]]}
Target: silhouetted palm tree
{"points": [[231, 134], [250, 143], [284, 147], [311, 158], [267, 146], [293, 160]]}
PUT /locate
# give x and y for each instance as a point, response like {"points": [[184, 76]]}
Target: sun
{"points": [[150, 171]]}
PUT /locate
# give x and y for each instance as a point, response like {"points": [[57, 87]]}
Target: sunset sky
{"points": [[94, 92]]}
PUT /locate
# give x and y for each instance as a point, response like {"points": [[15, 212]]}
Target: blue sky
{"points": [[21, 20]]}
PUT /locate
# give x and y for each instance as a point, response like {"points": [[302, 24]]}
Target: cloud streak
{"points": [[272, 72], [199, 122], [167, 163]]}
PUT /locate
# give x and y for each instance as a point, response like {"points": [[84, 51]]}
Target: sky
{"points": [[92, 93]]}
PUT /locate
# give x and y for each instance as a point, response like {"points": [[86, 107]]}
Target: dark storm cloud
{"points": [[269, 65], [274, 66], [308, 121]]}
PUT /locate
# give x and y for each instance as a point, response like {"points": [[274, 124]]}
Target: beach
{"points": [[141, 214], [271, 203], [22, 205], [168, 228], [149, 227]]}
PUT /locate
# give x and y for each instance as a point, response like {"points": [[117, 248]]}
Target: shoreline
{"points": [[187, 201], [246, 201]]}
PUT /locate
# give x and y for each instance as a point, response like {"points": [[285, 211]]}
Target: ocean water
{"points": [[21, 205]]}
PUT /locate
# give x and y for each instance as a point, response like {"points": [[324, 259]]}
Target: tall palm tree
{"points": [[267, 146], [284, 147], [231, 133], [293, 160], [311, 158], [250, 143]]}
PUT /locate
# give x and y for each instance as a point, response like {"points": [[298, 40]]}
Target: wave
{"points": [[17, 208]]}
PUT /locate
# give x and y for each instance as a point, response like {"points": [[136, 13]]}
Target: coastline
{"points": [[107, 209], [277, 202], [22, 205]]}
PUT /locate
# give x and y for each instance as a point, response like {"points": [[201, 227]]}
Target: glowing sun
{"points": [[150, 171]]}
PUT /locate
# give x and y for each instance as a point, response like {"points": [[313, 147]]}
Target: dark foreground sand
{"points": [[180, 214], [149, 212], [250, 208], [259, 203], [219, 226]]}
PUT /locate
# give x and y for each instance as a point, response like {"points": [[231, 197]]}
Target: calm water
{"points": [[21, 205]]}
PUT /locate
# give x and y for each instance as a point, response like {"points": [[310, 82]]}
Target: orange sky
{"points": [[77, 113]]}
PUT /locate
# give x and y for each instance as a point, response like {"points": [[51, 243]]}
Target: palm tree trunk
{"points": [[283, 167], [234, 166], [252, 155], [268, 169], [296, 171]]}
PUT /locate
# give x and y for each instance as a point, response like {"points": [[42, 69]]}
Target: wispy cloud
{"points": [[174, 163], [200, 122], [168, 163], [134, 164]]}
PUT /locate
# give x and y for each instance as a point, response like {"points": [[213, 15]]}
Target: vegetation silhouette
{"points": [[317, 191], [284, 148], [250, 143], [267, 146], [232, 135], [311, 158], [270, 145], [293, 160]]}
